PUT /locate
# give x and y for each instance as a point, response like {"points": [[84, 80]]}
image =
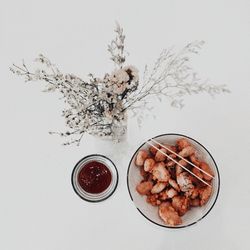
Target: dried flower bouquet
{"points": [[99, 106]]}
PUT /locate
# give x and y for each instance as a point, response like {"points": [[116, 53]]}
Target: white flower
{"points": [[119, 88], [122, 79], [119, 76], [132, 72]]}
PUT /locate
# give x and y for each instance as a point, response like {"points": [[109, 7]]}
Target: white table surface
{"points": [[39, 209]]}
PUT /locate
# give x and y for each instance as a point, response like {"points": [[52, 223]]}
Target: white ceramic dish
{"points": [[151, 213]]}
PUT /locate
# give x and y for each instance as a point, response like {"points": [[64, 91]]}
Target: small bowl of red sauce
{"points": [[94, 178]]}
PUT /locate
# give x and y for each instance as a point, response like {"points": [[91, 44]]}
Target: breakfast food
{"points": [[174, 179]]}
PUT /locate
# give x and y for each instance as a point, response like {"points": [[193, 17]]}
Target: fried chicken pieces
{"points": [[170, 187]]}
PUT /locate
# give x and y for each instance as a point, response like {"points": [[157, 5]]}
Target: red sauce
{"points": [[94, 177]]}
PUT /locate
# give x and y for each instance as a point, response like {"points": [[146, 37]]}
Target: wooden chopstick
{"points": [[171, 151], [178, 163]]}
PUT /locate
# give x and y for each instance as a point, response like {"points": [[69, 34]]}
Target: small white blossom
{"points": [[133, 71], [119, 76]]}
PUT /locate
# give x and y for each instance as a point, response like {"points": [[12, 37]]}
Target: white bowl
{"points": [[150, 212]]}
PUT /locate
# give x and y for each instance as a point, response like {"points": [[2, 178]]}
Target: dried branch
{"points": [[116, 47], [173, 77]]}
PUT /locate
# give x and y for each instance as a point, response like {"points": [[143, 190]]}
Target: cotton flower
{"points": [[123, 79], [119, 88], [132, 72], [119, 76]]}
